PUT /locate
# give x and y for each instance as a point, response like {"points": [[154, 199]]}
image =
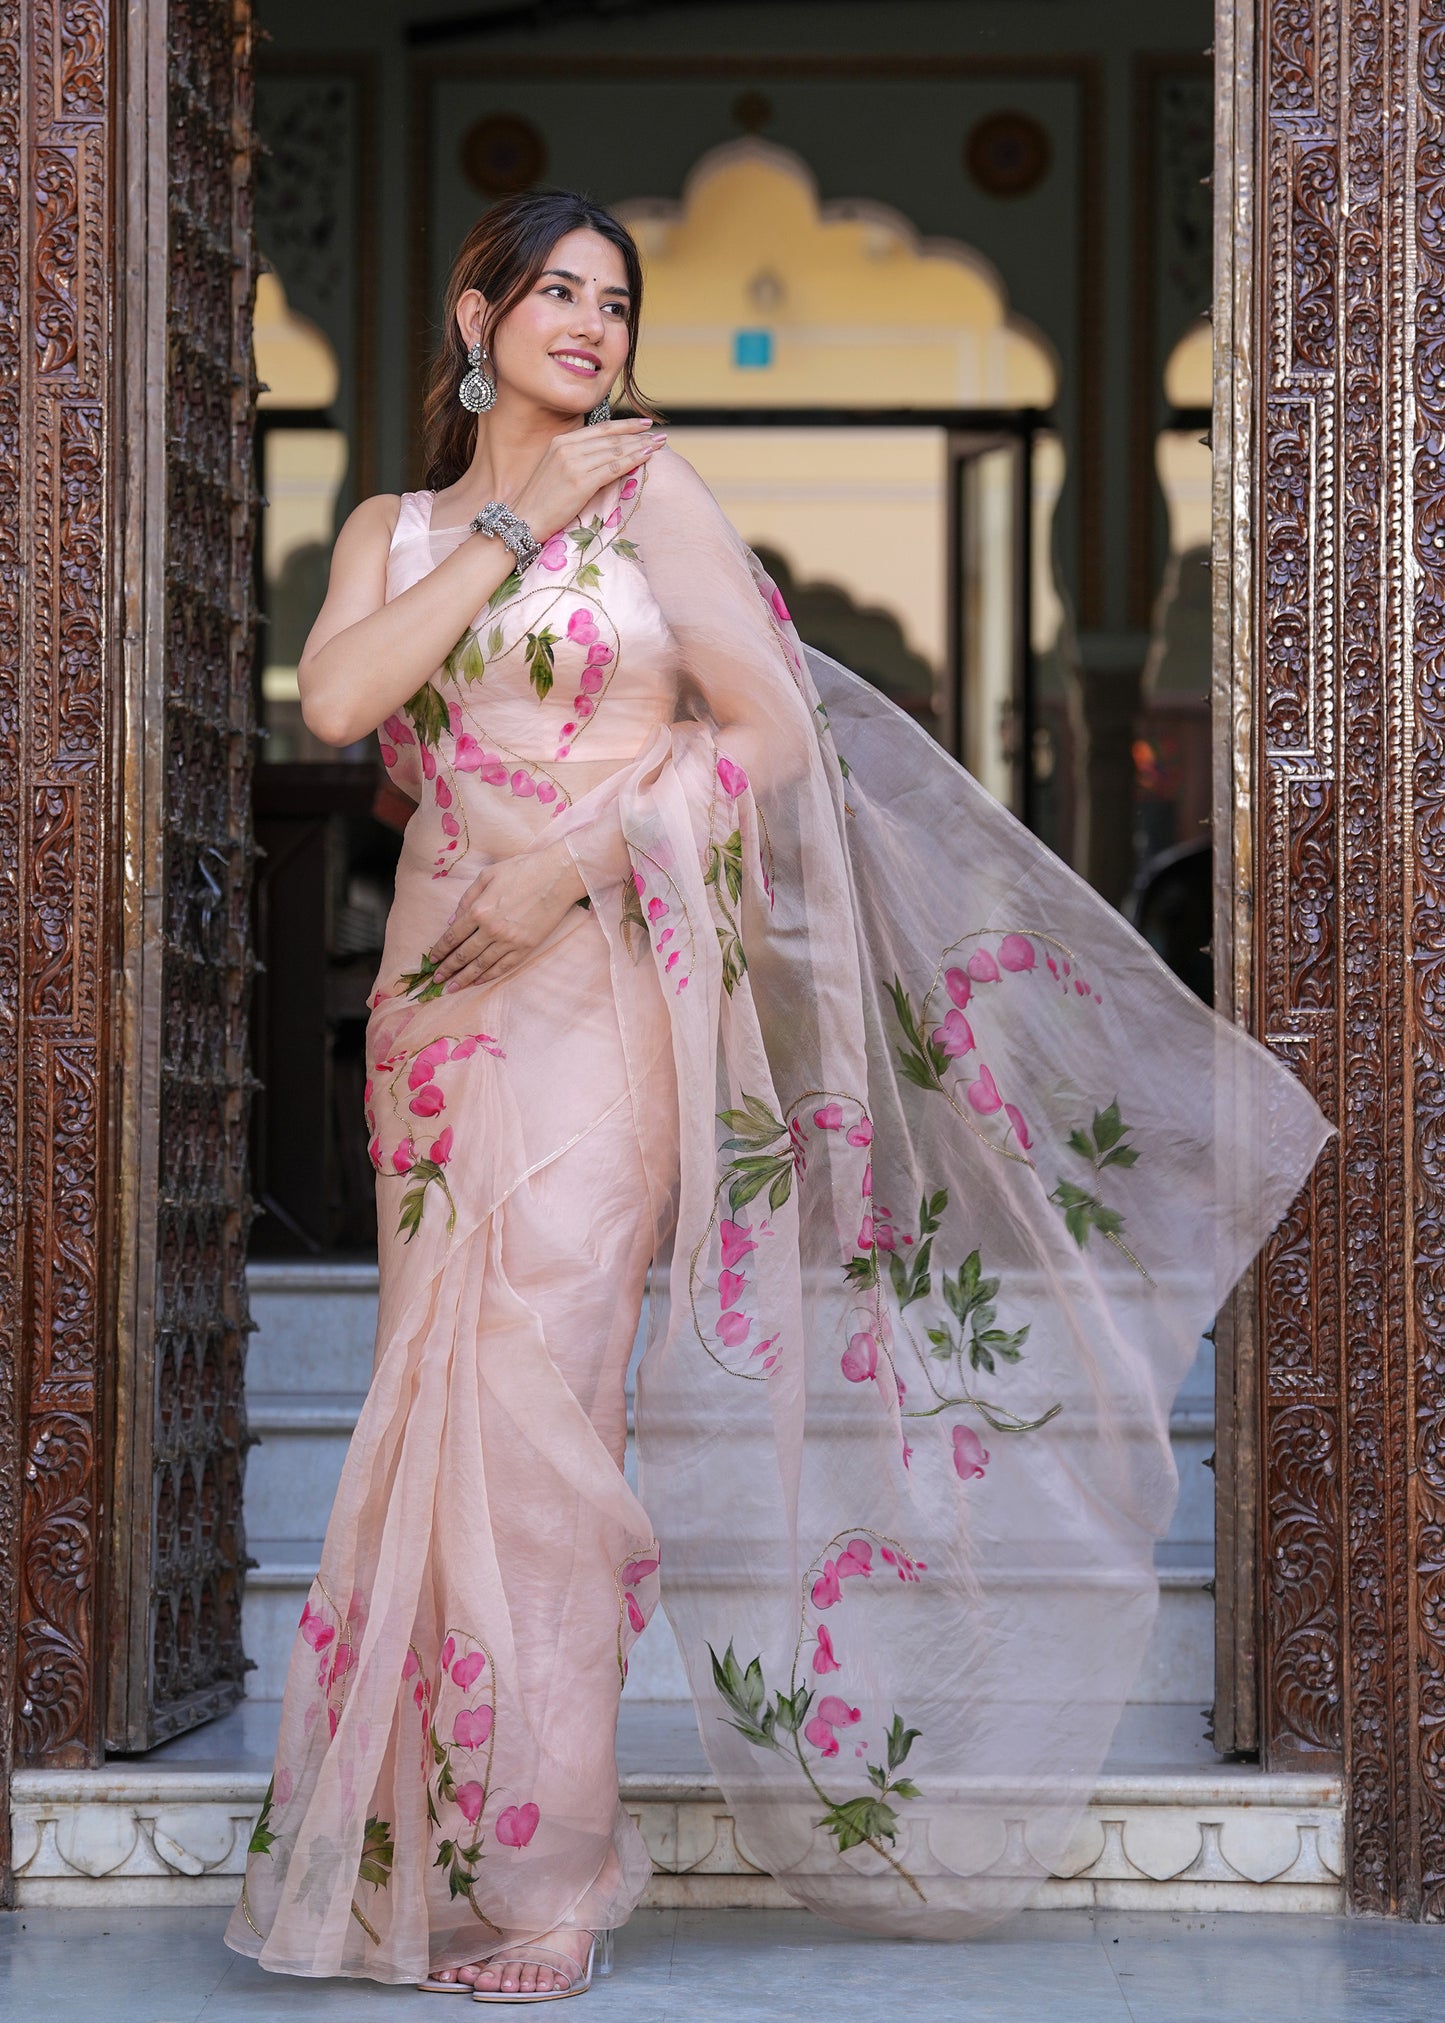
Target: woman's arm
{"points": [[366, 656]]}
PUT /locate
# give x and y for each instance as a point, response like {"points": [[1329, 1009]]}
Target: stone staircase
{"points": [[1170, 1827]]}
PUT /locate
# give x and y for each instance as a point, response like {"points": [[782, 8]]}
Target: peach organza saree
{"points": [[940, 1174]]}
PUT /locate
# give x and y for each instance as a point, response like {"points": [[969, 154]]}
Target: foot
{"points": [[520, 1976]]}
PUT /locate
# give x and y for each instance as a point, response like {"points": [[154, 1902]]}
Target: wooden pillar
{"points": [[1329, 582]]}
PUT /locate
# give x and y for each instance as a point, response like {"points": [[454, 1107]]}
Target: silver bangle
{"points": [[501, 522]]}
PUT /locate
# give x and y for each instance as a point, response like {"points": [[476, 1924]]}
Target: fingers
{"points": [[498, 961]]}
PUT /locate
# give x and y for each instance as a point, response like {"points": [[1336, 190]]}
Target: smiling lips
{"points": [[578, 361]]}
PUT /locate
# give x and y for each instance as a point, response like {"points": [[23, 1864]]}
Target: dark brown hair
{"points": [[502, 256]]}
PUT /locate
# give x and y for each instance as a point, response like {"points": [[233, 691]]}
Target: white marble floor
{"points": [[169, 1966]]}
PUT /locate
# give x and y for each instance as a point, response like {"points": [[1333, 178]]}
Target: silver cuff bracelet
{"points": [[501, 521]]}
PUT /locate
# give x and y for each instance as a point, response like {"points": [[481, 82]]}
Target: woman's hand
{"points": [[578, 463], [508, 910]]}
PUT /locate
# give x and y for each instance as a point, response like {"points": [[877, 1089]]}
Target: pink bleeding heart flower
{"points": [[837, 1713], [780, 607], [428, 762], [546, 792], [332, 1721], [454, 717], [982, 967], [970, 1456], [404, 1157], [388, 756], [635, 1616], [737, 1240], [467, 755], [428, 1102], [867, 1187], [598, 653], [553, 555], [471, 1797], [614, 518], [285, 1785], [732, 1327], [824, 1659], [825, 1590], [866, 1229], [472, 1727], [493, 770], [468, 1669], [860, 1358], [442, 792], [591, 680], [629, 489], [441, 1148], [449, 1651], [373, 1152], [730, 1286], [821, 1736], [860, 1133], [583, 704], [830, 1117], [451, 827], [983, 1094], [956, 983], [1021, 1129], [1016, 952], [734, 779], [515, 1826], [856, 1559], [637, 1570], [315, 1629], [955, 1035], [582, 625], [883, 1236], [656, 908], [399, 731], [427, 1061], [523, 783], [762, 1350], [639, 883], [411, 1665]]}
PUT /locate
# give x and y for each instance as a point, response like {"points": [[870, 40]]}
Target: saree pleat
{"points": [[940, 1174]]}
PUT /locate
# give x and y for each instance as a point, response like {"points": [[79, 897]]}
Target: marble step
{"points": [[1169, 1827], [1178, 1669]]}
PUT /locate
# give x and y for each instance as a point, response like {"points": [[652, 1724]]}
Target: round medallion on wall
{"points": [[1008, 154], [503, 154]]}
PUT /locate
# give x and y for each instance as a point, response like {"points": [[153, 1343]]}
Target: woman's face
{"points": [[564, 344]]}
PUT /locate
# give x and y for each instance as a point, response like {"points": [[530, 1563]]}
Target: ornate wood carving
{"points": [[56, 910], [1331, 415]]}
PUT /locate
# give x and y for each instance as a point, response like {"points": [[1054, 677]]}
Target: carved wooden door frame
{"points": [[1329, 591]]}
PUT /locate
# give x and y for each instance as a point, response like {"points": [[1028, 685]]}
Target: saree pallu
{"points": [[940, 1173]]}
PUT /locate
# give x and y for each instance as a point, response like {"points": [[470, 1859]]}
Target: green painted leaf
{"points": [[505, 590], [781, 1188], [465, 662], [377, 1853], [861, 1271], [541, 662], [858, 1820], [878, 1776], [627, 548], [428, 713], [262, 1838], [1109, 1127], [418, 982], [588, 576], [494, 641], [900, 1741], [906, 1788], [1122, 1155]]}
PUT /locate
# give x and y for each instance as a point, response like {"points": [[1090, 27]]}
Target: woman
{"points": [[704, 957]]}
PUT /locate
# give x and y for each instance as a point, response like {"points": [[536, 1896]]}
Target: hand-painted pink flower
{"points": [[441, 1148], [629, 488], [634, 1615], [860, 1133], [982, 967], [451, 827], [467, 755], [523, 783], [472, 1727], [656, 908], [428, 762], [373, 1152], [884, 1237], [442, 792], [1016, 952], [333, 1721], [956, 983], [734, 779], [903, 1566], [598, 653], [867, 1187], [315, 1629], [737, 1240], [399, 731], [582, 625], [824, 1658], [454, 717], [857, 1558], [493, 770], [449, 1651], [285, 1785], [583, 704], [832, 1713], [673, 960], [821, 1736], [637, 1570], [515, 1826], [866, 1231], [780, 607], [428, 1102], [1021, 1129], [553, 555], [427, 1062], [733, 1327], [411, 1665], [730, 1288], [983, 1095], [955, 1035], [388, 755], [639, 883], [471, 1797], [465, 1048], [830, 1117], [343, 1660], [591, 680], [546, 792], [468, 1669], [404, 1157], [970, 1456], [860, 1358], [614, 518]]}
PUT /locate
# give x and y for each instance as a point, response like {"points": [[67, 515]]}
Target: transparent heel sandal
{"points": [[598, 1961]]}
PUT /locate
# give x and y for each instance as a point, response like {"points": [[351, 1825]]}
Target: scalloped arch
{"points": [[860, 307], [295, 360]]}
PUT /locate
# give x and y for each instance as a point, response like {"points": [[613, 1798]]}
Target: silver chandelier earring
{"points": [[602, 412], [477, 392]]}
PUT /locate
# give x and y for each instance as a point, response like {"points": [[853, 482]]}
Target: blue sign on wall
{"points": [[752, 349]]}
